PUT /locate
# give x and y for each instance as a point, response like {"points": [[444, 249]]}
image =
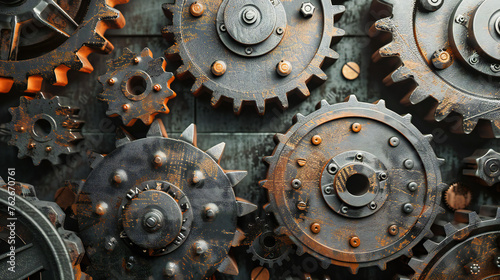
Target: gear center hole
{"points": [[357, 184], [269, 241], [42, 128], [136, 85]]}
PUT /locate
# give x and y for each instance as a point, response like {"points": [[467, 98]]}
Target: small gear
{"points": [[449, 49], [249, 52], [136, 87], [43, 248], [42, 39], [467, 248], [45, 127], [457, 196], [484, 165], [347, 168], [158, 208]]}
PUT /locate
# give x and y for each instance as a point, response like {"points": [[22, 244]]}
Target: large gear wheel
{"points": [[136, 87], [247, 51], [42, 39], [160, 207], [483, 165], [354, 184], [449, 49], [44, 128], [467, 248], [43, 248]]}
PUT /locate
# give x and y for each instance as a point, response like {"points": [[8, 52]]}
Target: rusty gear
{"points": [[44, 249], [45, 127], [358, 166], [484, 165], [266, 247], [159, 207], [136, 87], [247, 51], [425, 39], [467, 248], [457, 197], [43, 39]]}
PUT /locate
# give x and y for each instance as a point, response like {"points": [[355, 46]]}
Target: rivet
{"points": [[170, 269], [351, 71], [111, 81], [373, 205], [329, 190], [296, 184], [31, 145], [198, 177], [201, 247], [284, 68], [393, 230], [356, 127], [394, 141], [125, 107], [157, 161], [409, 164], [344, 209], [332, 168], [101, 208], [316, 140], [354, 242], [359, 156], [315, 228], [382, 176], [412, 186], [110, 244], [196, 9], [279, 31], [407, 208], [219, 67], [248, 50], [48, 149], [157, 87]]}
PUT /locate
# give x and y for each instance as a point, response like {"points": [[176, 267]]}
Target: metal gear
{"points": [[484, 165], [160, 207], [42, 39], [136, 87], [427, 42], [43, 248], [45, 127], [457, 197], [465, 249], [248, 51], [347, 168], [266, 247]]}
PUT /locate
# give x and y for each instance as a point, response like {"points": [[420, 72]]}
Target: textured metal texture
{"points": [[160, 207], [136, 87], [44, 128], [484, 165], [467, 248], [469, 86], [252, 52], [347, 161], [42, 39], [44, 249], [458, 196]]}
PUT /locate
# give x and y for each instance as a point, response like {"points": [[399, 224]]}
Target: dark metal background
{"points": [[249, 137]]}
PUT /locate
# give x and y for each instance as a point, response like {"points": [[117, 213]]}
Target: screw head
{"points": [[211, 211], [431, 5], [31, 145], [344, 209], [249, 16], [117, 178], [301, 205], [201, 247], [196, 9], [101, 208], [495, 68], [279, 31], [48, 149], [474, 268], [307, 9], [248, 50], [110, 244], [301, 162], [393, 230], [332, 168], [407, 208], [382, 176], [394, 141], [198, 177], [296, 184], [359, 156], [284, 68], [315, 228], [329, 190], [157, 161], [316, 140], [460, 19], [442, 59], [169, 270], [354, 242], [473, 60], [125, 107], [412, 186], [351, 71], [373, 205], [111, 81], [219, 67], [409, 164], [157, 87], [356, 127]]}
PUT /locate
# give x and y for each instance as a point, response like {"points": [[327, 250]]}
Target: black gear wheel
{"points": [[44, 249], [45, 127], [136, 87], [42, 39], [243, 67], [483, 165], [443, 49], [347, 168], [160, 208], [467, 248]]}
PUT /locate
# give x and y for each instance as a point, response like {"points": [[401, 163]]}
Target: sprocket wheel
{"points": [[467, 248], [44, 249], [42, 39], [347, 168], [449, 49], [45, 127], [249, 51], [158, 208], [483, 165], [136, 87]]}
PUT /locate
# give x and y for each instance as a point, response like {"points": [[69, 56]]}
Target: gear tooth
{"points": [[322, 104], [2, 182], [267, 160], [441, 161], [449, 229], [397, 76], [338, 33], [283, 100], [407, 117], [415, 264], [325, 264], [318, 73], [239, 236], [401, 277], [353, 268], [189, 135], [216, 151], [122, 137], [237, 106], [388, 50], [382, 266], [298, 118], [429, 137], [260, 104], [267, 207], [442, 110], [279, 138], [235, 176], [157, 129], [197, 86], [303, 90], [380, 103], [172, 50], [182, 70], [300, 250], [351, 99], [430, 245], [384, 24], [228, 266], [146, 52], [490, 211], [469, 125], [467, 217], [216, 99], [262, 183], [329, 53]]}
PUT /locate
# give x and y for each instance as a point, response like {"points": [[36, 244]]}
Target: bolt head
{"points": [[495, 68], [296, 184], [355, 242], [315, 228], [101, 208], [431, 5], [198, 177], [442, 59], [110, 244], [382, 176], [157, 87], [219, 67], [393, 230], [329, 190], [301, 205], [407, 208], [170, 268], [307, 9], [196, 9], [200, 247], [332, 168], [117, 178], [412, 186], [31, 145], [284, 68], [48, 149], [125, 107], [111, 81], [344, 209]]}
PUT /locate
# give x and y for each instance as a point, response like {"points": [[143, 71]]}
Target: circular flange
{"points": [[484, 29]]}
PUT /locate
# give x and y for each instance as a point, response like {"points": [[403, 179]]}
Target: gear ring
{"points": [[44, 248], [68, 31], [242, 52], [464, 249], [166, 211], [468, 86], [298, 196], [45, 128], [136, 87]]}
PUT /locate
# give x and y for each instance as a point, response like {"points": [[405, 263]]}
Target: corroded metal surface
{"points": [[484, 165], [43, 39], [457, 196], [252, 48], [44, 128], [136, 87], [356, 166], [160, 207], [469, 84]]}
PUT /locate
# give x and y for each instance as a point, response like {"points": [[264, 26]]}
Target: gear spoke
{"points": [[53, 16], [10, 35]]}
